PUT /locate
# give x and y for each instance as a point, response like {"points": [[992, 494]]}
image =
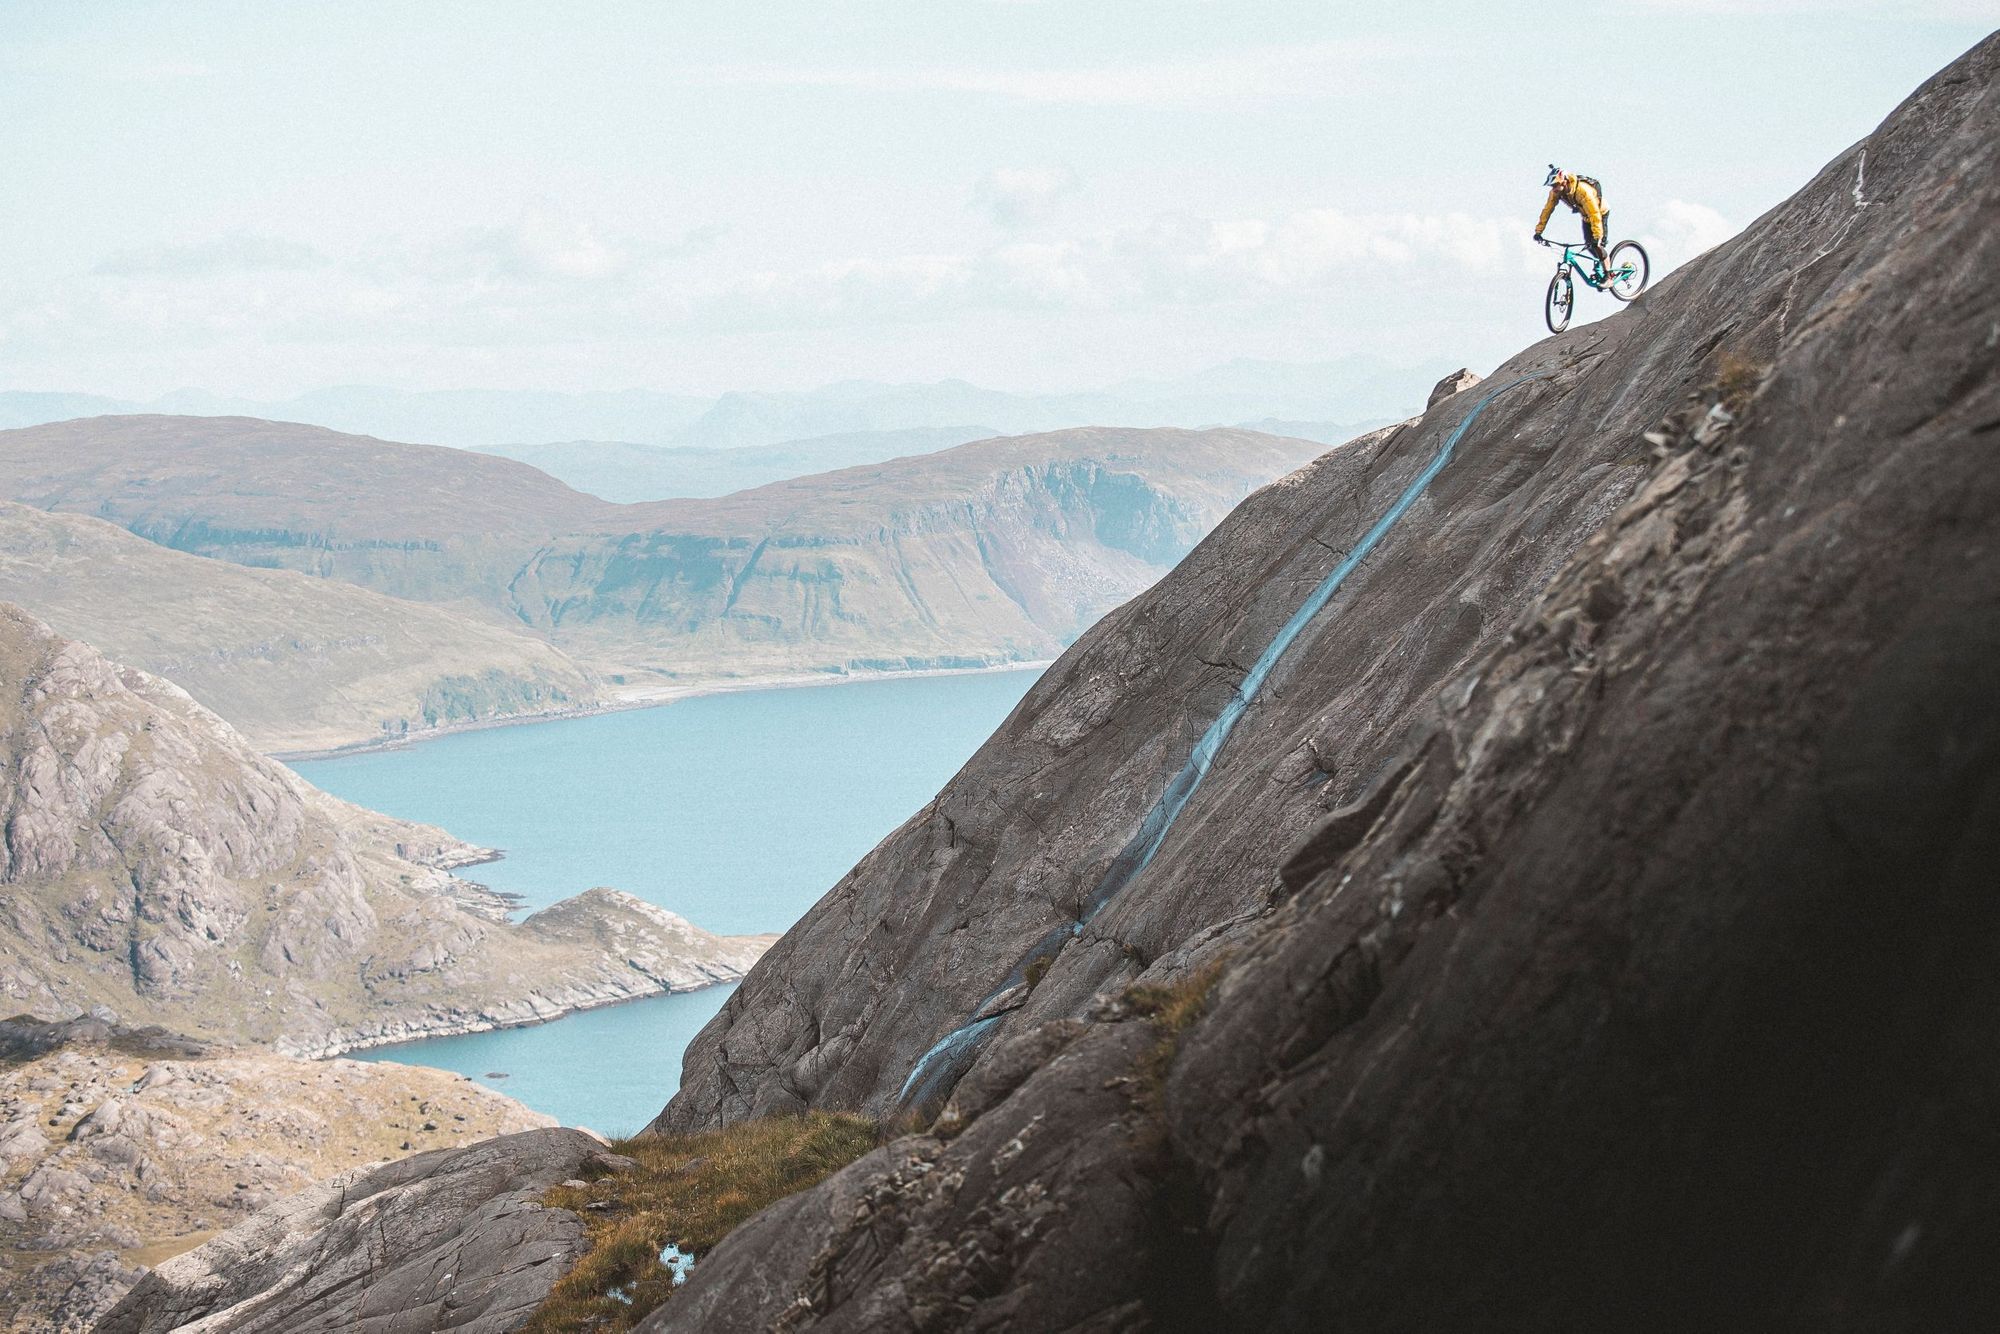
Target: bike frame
{"points": [[1571, 249]]}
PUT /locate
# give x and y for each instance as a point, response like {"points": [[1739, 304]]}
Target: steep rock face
{"points": [[1645, 978], [152, 862], [294, 663], [120, 1148], [448, 1240], [936, 926], [1005, 875], [994, 551]]}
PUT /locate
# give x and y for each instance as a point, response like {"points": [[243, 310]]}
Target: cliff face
{"points": [[151, 861], [1589, 921], [294, 663], [995, 551], [1028, 850]]}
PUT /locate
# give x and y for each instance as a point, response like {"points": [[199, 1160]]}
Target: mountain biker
{"points": [[1585, 196]]}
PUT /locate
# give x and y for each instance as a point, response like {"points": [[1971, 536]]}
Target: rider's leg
{"points": [[1593, 240]]}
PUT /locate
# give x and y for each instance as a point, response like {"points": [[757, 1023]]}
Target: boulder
{"points": [[1458, 381]]}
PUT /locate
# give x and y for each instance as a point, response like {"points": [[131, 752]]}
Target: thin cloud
{"points": [[1930, 11], [1015, 197], [234, 253], [1328, 69]]}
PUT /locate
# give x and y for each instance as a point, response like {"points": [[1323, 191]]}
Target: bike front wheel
{"points": [[1561, 302], [1629, 270]]}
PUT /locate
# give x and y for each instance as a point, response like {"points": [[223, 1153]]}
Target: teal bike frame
{"points": [[1571, 249]]}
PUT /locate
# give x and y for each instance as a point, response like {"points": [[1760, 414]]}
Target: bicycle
{"points": [[1624, 279]]}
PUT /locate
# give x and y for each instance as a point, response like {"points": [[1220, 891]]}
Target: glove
{"points": [[1538, 236]]}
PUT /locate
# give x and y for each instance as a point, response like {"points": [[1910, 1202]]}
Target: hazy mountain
{"points": [[1349, 389], [1326, 433], [28, 408], [628, 472], [462, 417], [1355, 388], [990, 552], [294, 662]]}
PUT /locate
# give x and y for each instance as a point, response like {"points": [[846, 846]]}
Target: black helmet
{"points": [[1554, 172]]}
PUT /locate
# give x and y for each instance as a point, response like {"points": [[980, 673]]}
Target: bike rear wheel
{"points": [[1628, 271], [1562, 301]]}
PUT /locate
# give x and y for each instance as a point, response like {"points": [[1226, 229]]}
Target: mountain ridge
{"points": [[294, 662], [1346, 388], [992, 552]]}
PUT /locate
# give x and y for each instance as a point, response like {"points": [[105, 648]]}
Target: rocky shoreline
{"points": [[651, 697], [541, 1009]]}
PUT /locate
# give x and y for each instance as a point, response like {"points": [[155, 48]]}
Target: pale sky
{"points": [[263, 199]]}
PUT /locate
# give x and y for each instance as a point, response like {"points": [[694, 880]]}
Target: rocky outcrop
{"points": [[154, 864], [448, 1240], [1601, 883], [1456, 383], [991, 552], [293, 662], [120, 1148]]}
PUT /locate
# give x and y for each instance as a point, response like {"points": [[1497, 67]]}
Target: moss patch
{"points": [[691, 1191]]}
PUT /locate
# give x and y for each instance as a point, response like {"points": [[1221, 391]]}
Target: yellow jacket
{"points": [[1578, 195]]}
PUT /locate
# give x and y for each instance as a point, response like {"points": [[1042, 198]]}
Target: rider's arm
{"points": [[1555, 193]]}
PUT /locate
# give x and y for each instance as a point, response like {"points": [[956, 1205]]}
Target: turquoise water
{"points": [[611, 1070], [737, 811]]}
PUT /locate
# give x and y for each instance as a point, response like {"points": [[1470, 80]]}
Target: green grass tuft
{"points": [[691, 1190]]}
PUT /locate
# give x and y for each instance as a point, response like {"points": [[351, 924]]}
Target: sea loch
{"points": [[735, 810]]}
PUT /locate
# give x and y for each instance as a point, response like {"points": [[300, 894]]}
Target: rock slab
{"points": [[451, 1240]]}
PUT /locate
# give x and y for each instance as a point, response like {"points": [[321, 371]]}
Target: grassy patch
{"points": [[1173, 1010], [690, 1190], [1737, 378]]}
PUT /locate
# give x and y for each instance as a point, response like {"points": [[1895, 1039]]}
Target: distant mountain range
{"points": [[463, 418], [628, 472], [510, 593], [1345, 390]]}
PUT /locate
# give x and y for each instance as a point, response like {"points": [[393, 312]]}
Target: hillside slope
{"points": [[294, 663], [1601, 882], [120, 1148], [991, 552], [152, 862]]}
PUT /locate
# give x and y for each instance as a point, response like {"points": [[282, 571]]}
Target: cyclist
{"points": [[1585, 196]]}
